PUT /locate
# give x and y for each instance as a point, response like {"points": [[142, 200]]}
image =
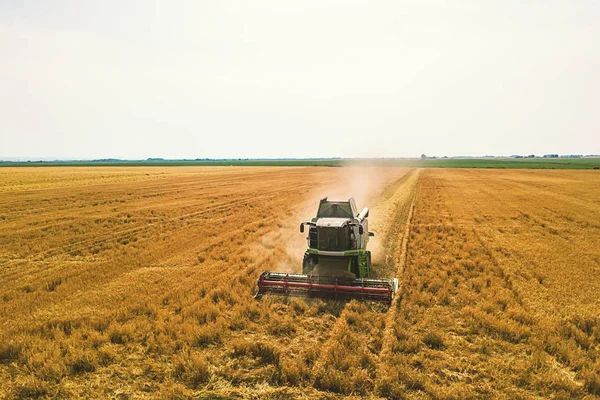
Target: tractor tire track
{"points": [[393, 311]]}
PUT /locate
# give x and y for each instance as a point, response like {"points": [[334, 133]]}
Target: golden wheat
{"points": [[138, 282]]}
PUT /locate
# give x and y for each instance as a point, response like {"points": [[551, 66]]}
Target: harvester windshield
{"points": [[335, 209], [334, 239]]}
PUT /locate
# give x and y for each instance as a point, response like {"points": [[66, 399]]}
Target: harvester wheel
{"points": [[308, 263]]}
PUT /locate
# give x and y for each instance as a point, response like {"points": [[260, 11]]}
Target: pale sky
{"points": [[195, 79]]}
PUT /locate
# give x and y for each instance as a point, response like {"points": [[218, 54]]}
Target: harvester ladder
{"points": [[363, 264]]}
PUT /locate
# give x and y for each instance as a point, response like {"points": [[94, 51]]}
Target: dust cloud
{"points": [[365, 184]]}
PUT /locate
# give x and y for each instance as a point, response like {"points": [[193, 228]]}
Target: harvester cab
{"points": [[337, 241], [336, 263]]}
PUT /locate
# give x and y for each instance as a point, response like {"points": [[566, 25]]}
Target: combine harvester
{"points": [[337, 264]]}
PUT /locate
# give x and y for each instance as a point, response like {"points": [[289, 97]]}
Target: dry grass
{"points": [[138, 282]]}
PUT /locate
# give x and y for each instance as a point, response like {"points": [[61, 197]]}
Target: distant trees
{"points": [[518, 156]]}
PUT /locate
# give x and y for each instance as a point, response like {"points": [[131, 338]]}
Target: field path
{"points": [[401, 263]]}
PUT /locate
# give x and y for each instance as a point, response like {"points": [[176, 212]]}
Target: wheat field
{"points": [[138, 282]]}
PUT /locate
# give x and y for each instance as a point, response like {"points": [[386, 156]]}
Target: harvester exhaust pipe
{"points": [[363, 214]]}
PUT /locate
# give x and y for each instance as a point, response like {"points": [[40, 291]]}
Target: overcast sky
{"points": [[188, 79]]}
